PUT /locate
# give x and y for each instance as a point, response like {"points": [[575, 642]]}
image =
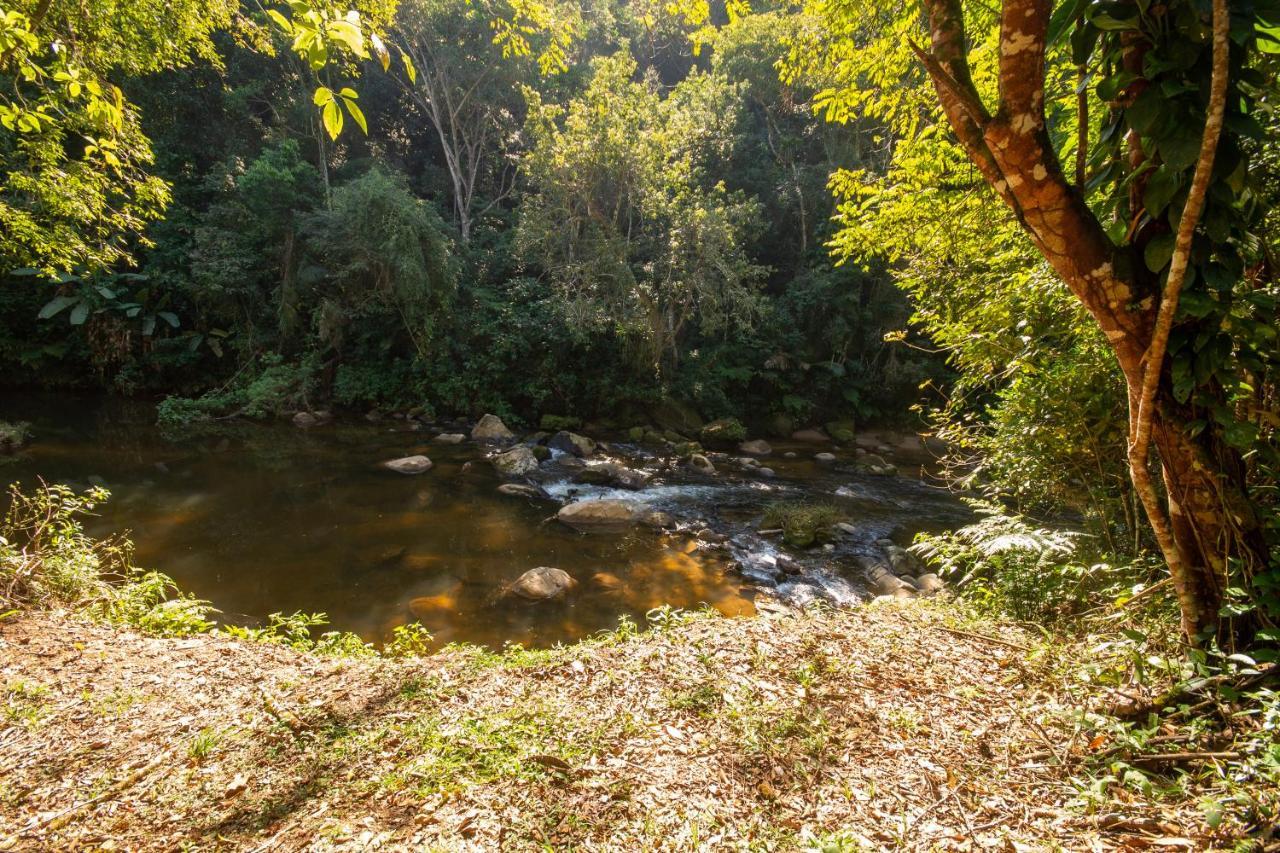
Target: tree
{"points": [[621, 216], [470, 94], [1185, 310], [77, 188]]}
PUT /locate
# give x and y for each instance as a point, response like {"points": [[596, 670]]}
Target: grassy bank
{"points": [[900, 725]]}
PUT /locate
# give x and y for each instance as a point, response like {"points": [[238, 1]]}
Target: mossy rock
{"points": [[803, 524], [557, 423], [687, 448], [540, 452], [637, 433], [723, 431], [13, 436], [841, 431], [780, 425], [676, 416]]}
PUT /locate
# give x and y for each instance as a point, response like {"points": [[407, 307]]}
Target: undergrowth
{"points": [[1155, 718]]}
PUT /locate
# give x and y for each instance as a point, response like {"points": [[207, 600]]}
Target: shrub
{"points": [[46, 560], [1010, 567]]}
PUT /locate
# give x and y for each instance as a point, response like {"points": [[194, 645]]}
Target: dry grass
{"points": [[867, 729]]}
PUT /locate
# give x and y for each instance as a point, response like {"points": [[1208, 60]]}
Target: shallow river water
{"points": [[270, 518]]}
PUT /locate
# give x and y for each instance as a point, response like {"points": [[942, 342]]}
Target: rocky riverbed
{"points": [[380, 521]]}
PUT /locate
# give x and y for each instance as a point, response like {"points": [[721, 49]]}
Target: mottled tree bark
{"points": [[1208, 519]]}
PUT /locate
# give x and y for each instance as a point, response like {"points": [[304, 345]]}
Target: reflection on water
{"points": [[265, 518]]}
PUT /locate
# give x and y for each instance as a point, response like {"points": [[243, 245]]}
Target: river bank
{"points": [[897, 725]]}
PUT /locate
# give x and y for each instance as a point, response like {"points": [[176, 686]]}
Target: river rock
{"points": [[903, 562], [571, 442], [587, 515], [409, 465], [844, 526], [767, 473], [881, 581], [611, 474], [874, 464], [516, 462], [305, 420], [520, 490], [540, 451], [756, 447], [702, 464], [930, 584], [658, 520], [780, 425], [450, 438], [723, 431], [841, 431], [607, 581], [824, 458], [491, 428], [812, 435], [542, 583]]}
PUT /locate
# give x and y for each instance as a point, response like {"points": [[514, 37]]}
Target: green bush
{"points": [[1009, 567], [46, 560]]}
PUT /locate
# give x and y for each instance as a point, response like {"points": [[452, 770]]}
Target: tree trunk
{"points": [[1210, 520]]}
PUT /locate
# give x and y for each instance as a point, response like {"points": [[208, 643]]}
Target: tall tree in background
{"points": [[1187, 311]]}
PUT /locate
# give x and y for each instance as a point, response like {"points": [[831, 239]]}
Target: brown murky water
{"points": [[268, 518]]}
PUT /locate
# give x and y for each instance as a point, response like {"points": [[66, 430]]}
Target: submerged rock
{"points": [[824, 458], [542, 583], [756, 447], [521, 490], [588, 515], [305, 420], [571, 442], [607, 581], [491, 428], [449, 438], [409, 465], [813, 435], [516, 462]]}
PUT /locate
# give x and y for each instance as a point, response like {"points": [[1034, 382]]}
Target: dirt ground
{"points": [[885, 727]]}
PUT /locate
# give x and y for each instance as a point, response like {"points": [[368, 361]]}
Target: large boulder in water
{"points": [[594, 515], [542, 583], [572, 443], [409, 465], [491, 428], [516, 462], [612, 474]]}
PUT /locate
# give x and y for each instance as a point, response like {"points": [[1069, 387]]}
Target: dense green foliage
{"points": [[644, 217]]}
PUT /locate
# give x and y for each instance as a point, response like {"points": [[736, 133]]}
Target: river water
{"points": [[264, 518]]}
